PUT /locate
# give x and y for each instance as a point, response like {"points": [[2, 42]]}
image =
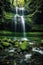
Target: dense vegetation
{"points": [[34, 16], [34, 32]]}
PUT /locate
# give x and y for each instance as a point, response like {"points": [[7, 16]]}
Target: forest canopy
{"points": [[32, 8], [18, 2]]}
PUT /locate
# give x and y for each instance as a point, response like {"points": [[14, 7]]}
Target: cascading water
{"points": [[15, 21], [22, 10], [21, 20], [16, 10], [23, 25]]}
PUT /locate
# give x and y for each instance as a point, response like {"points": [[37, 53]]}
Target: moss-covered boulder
{"points": [[24, 45], [5, 43], [17, 44]]}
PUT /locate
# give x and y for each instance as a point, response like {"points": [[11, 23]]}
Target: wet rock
{"points": [[37, 59]]}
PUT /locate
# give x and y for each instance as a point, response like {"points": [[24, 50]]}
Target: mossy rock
{"points": [[9, 40], [16, 44], [4, 39], [41, 41], [13, 42], [24, 45], [1, 47], [5, 43]]}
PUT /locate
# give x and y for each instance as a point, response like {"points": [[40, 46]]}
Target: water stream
{"points": [[23, 25], [19, 16]]}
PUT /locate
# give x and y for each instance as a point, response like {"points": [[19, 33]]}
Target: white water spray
{"points": [[23, 25], [16, 10], [21, 20]]}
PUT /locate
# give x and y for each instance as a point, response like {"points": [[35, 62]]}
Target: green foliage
{"points": [[5, 43], [18, 3], [42, 41], [24, 45], [16, 43], [8, 15], [6, 9], [6, 37], [33, 7]]}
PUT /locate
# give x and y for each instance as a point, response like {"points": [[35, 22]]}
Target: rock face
{"points": [[37, 59]]}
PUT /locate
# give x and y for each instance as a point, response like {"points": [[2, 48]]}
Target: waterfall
{"points": [[16, 10], [15, 19], [15, 24], [23, 25], [22, 9], [21, 19]]}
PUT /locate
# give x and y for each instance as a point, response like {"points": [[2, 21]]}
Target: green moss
{"points": [[5, 43], [42, 41], [24, 45], [16, 44]]}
